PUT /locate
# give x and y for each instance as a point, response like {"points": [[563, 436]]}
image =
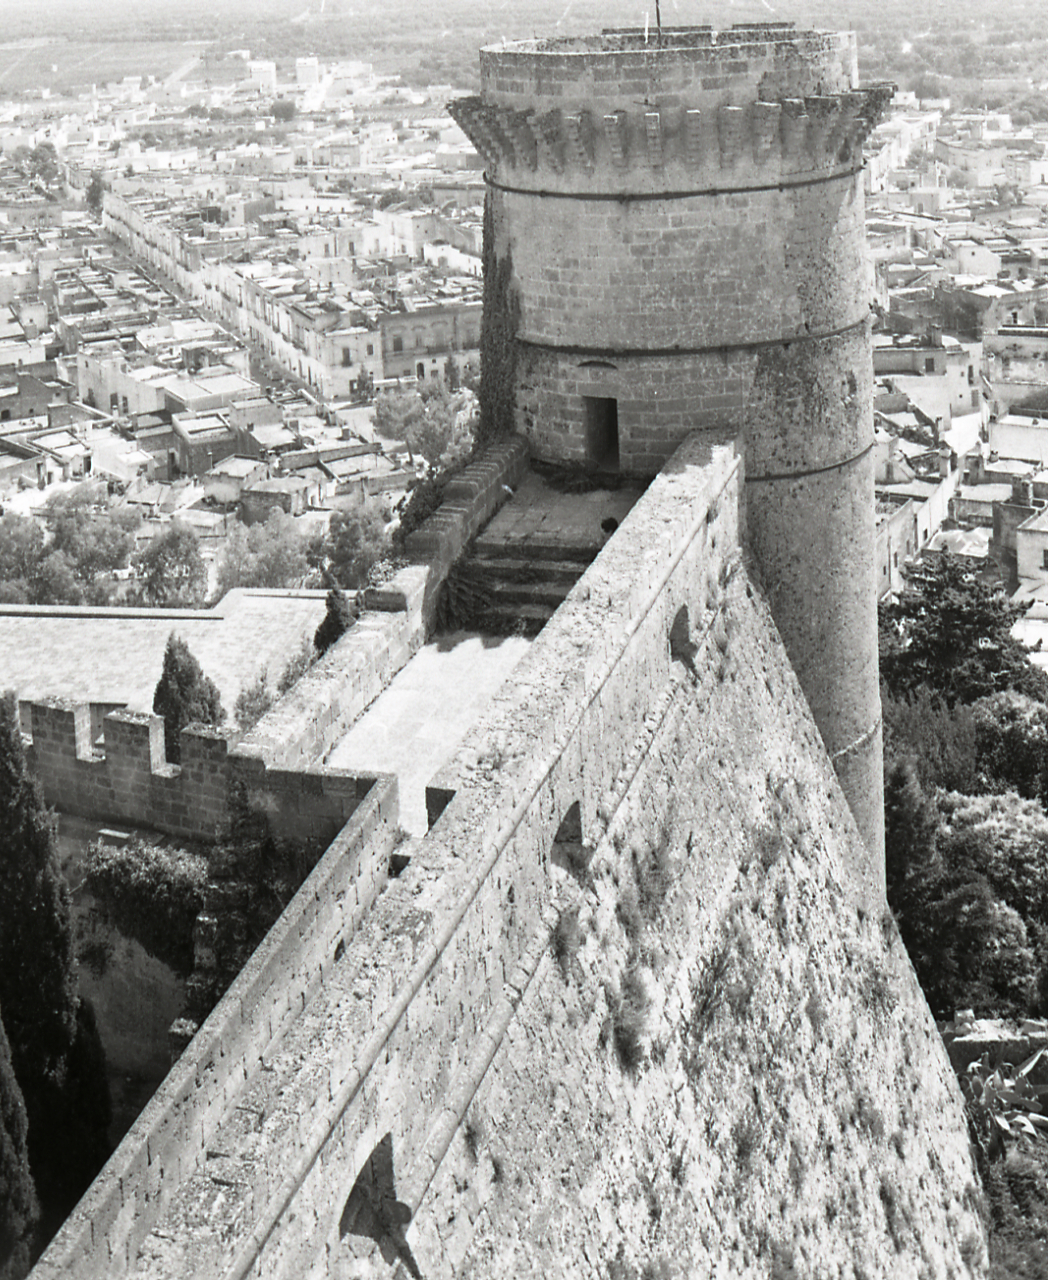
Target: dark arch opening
{"points": [[373, 1213], [570, 851], [682, 647]]}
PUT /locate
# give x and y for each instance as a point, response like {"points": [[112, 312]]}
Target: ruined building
{"points": [[636, 1005]]}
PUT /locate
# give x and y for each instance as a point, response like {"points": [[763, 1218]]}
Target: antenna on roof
{"points": [[658, 19]]}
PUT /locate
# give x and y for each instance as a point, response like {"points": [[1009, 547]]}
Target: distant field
{"points": [[64, 65]]}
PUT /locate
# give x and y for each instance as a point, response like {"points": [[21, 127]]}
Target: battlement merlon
{"points": [[677, 148]]}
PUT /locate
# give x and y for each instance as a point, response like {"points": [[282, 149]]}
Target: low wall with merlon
{"points": [[171, 1137], [128, 780]]}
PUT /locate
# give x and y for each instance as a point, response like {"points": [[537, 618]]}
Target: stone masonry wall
{"points": [[129, 779], [615, 67], [470, 500], [174, 1133], [634, 999], [722, 1065]]}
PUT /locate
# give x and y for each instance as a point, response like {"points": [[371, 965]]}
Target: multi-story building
{"points": [[333, 337]]}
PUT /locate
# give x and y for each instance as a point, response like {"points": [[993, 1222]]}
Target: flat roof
{"points": [[116, 655]]}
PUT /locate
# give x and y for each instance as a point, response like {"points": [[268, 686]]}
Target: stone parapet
{"points": [[723, 146], [470, 500]]}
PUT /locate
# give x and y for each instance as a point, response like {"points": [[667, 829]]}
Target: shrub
{"points": [[630, 1012], [654, 873], [259, 697], [253, 702], [297, 666], [424, 498], [152, 894], [567, 940]]}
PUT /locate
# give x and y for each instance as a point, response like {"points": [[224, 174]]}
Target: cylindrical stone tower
{"points": [[675, 241]]}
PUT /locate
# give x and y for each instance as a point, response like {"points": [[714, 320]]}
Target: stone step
{"points": [[515, 620], [520, 569], [549, 594], [535, 547]]}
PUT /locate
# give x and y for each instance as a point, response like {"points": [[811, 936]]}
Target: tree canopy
{"points": [[434, 422], [19, 1210], [183, 696], [95, 193], [954, 888], [951, 632], [354, 542], [75, 564], [171, 570], [271, 555]]}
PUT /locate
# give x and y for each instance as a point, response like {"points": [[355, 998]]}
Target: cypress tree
{"points": [[339, 618], [19, 1210], [184, 695], [55, 1050]]}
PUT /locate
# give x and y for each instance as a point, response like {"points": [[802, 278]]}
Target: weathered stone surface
{"points": [[726, 1061]]}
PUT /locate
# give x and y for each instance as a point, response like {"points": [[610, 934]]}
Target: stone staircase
{"points": [[523, 582]]}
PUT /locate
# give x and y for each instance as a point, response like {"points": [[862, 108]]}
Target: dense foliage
{"points": [[966, 781], [340, 615], [498, 337], [183, 696], [434, 422], [354, 543], [74, 564], [271, 555], [951, 632], [423, 499], [152, 894], [938, 740], [957, 872], [995, 744], [19, 1210], [55, 1048], [171, 571]]}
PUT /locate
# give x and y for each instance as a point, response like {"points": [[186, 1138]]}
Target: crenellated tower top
{"points": [[691, 106]]}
